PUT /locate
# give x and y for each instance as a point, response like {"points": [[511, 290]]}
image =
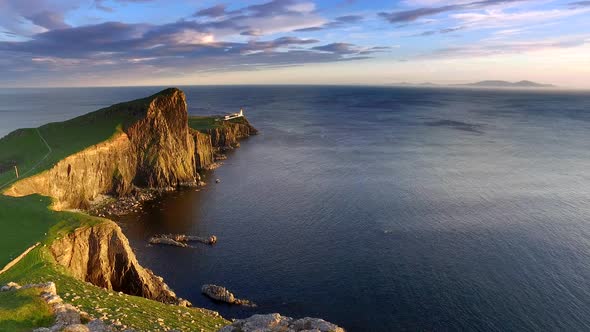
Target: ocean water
{"points": [[379, 209]]}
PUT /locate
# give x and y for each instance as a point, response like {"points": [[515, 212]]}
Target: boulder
{"points": [[222, 294], [277, 323]]}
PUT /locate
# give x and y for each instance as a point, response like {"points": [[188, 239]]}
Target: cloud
{"points": [[338, 22], [25, 18], [502, 19], [251, 33], [274, 16], [440, 31], [507, 47], [348, 49], [579, 4], [171, 49], [505, 20], [215, 39], [414, 14], [99, 4], [48, 20], [215, 11]]}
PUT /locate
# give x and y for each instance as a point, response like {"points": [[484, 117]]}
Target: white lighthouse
{"points": [[234, 115]]}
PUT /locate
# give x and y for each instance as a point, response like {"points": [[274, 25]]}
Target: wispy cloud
{"points": [[338, 22], [414, 14], [498, 47], [579, 4]]}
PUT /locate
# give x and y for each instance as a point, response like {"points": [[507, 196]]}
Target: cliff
{"points": [[162, 143], [227, 135], [154, 147], [102, 256], [76, 180], [203, 150]]}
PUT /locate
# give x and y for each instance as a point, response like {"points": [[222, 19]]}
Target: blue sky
{"points": [[156, 42]]}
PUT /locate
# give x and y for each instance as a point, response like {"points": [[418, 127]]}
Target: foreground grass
{"points": [[22, 310]]}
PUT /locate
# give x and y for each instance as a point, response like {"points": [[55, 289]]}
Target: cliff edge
{"points": [[101, 255], [153, 147]]}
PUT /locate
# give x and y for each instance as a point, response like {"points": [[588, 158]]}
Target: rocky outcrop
{"points": [[76, 180], [227, 136], [102, 256], [278, 323], [162, 144], [203, 150], [180, 240], [219, 293], [155, 150]]}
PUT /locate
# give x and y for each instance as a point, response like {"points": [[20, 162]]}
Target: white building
{"points": [[234, 115]]}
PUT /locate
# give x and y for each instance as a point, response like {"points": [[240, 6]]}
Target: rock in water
{"points": [[180, 240], [167, 241], [278, 323], [222, 294]]}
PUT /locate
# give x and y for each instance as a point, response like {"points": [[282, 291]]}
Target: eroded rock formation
{"points": [[155, 150], [203, 150], [278, 323], [102, 256], [228, 135], [162, 144], [219, 293], [76, 180]]}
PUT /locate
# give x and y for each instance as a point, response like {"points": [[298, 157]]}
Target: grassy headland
{"points": [[27, 220]]}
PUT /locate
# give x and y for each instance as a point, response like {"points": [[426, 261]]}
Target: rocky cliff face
{"points": [[162, 143], [228, 135], [102, 256], [156, 151], [203, 150], [78, 179]]}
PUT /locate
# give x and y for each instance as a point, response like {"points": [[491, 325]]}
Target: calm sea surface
{"points": [[379, 209]]}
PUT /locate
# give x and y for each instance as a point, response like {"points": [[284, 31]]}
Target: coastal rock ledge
{"points": [[277, 323], [101, 255]]}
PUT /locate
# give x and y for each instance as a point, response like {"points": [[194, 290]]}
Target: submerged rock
{"points": [[222, 294], [277, 323]]}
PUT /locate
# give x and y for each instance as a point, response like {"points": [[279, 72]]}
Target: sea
{"points": [[376, 208]]}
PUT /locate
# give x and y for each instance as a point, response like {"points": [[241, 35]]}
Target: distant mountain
{"points": [[506, 84]]}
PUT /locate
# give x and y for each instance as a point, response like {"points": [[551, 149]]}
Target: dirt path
{"points": [[21, 256]]}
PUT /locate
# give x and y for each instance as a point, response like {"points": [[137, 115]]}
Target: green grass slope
{"points": [[22, 310]]}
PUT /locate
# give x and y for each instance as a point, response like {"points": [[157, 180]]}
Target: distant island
{"points": [[483, 84], [506, 84]]}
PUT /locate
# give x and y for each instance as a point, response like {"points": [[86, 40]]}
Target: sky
{"points": [[190, 42]]}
